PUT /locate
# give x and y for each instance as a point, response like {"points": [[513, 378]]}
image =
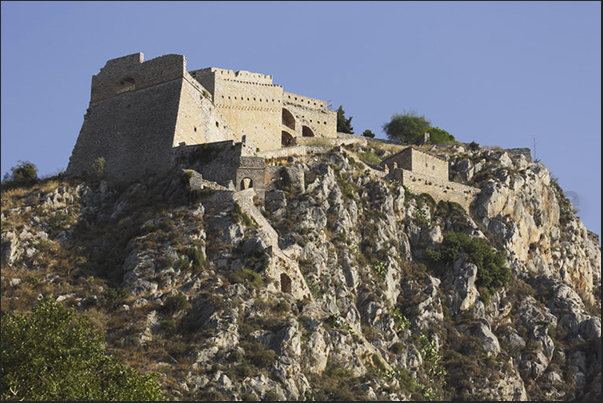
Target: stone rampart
{"points": [[133, 132], [439, 189], [129, 73]]}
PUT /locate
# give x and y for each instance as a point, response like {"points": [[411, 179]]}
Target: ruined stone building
{"points": [[424, 172], [141, 113]]}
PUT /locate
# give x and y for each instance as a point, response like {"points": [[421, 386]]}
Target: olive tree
{"points": [[53, 354]]}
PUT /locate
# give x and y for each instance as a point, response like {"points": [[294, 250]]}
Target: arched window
{"points": [[288, 119], [307, 132]]}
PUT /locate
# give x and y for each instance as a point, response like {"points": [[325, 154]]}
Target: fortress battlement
{"points": [[140, 110]]}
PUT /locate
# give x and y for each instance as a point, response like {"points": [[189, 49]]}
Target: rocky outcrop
{"points": [[328, 288]]}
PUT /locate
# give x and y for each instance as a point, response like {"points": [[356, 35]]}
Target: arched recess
{"points": [[288, 119], [246, 183], [285, 283], [307, 132], [126, 84], [287, 140]]}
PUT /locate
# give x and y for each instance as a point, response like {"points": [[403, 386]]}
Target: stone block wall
{"points": [[419, 161], [130, 72], [525, 151], [249, 102], [438, 188], [199, 121], [133, 132], [139, 110]]}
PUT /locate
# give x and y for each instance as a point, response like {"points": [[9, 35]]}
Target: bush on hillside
{"points": [[24, 174], [50, 354], [492, 271]]}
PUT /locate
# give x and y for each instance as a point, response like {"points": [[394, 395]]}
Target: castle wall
{"points": [[438, 188], [133, 132], [199, 121], [419, 161], [249, 102], [129, 73], [312, 113]]}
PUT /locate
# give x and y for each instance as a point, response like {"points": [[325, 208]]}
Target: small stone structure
{"points": [[424, 172]]}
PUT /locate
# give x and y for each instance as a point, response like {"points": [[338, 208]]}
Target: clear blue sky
{"points": [[498, 73]]}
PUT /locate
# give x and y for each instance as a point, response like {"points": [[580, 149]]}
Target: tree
{"points": [[406, 128], [344, 125], [24, 174], [439, 136], [50, 354], [368, 133]]}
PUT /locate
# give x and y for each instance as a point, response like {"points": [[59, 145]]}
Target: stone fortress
{"points": [[141, 113], [146, 118]]}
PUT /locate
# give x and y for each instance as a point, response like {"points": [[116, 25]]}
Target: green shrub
{"points": [[50, 354], [98, 168], [24, 174], [196, 257], [113, 298], [247, 276], [370, 157], [237, 215], [492, 271], [439, 136], [176, 303]]}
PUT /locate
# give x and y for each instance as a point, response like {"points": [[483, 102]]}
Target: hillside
{"points": [[386, 294]]}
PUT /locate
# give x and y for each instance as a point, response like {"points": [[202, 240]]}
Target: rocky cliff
{"points": [[335, 287]]}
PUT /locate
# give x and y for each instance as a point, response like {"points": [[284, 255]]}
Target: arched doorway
{"points": [[288, 119], [287, 140], [307, 132], [246, 183], [285, 283]]}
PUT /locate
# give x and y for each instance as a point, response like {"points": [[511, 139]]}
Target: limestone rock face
{"points": [[329, 288]]}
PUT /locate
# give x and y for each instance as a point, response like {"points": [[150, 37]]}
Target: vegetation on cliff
{"points": [[409, 298]]}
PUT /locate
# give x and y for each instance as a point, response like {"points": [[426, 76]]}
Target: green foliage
{"points": [[176, 303], [344, 125], [24, 174], [421, 216], [196, 258], [247, 276], [378, 268], [473, 146], [492, 271], [59, 221], [439, 136], [406, 128], [370, 157], [98, 168], [401, 321], [113, 298], [50, 354], [337, 322], [237, 215], [368, 133]]}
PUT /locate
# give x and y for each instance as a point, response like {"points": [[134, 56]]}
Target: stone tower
{"points": [[141, 111]]}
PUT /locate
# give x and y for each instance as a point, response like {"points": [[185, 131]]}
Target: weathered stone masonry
{"points": [[424, 172], [141, 111]]}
